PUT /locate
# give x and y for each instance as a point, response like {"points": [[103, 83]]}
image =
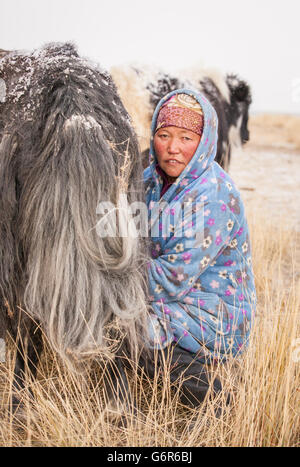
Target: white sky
{"points": [[258, 39]]}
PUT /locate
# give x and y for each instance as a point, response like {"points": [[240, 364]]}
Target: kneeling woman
{"points": [[201, 281]]}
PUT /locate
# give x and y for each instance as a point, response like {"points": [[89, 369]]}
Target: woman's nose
{"points": [[173, 146]]}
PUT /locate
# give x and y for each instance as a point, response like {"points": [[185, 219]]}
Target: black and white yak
{"points": [[142, 88], [66, 145]]}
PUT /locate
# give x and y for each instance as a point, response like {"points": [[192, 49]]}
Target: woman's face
{"points": [[174, 148]]}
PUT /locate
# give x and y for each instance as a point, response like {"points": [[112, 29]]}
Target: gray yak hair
{"points": [[66, 144]]}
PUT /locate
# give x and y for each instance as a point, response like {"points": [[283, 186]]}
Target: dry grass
{"points": [[275, 130], [69, 410]]}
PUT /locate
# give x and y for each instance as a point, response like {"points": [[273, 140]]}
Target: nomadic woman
{"points": [[201, 283]]}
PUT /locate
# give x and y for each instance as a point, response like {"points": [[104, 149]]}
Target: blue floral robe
{"points": [[201, 283]]}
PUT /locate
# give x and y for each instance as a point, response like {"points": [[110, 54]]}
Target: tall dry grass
{"points": [[69, 410], [279, 130]]}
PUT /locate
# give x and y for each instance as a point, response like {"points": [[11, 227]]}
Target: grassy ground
{"points": [[277, 130], [69, 410]]}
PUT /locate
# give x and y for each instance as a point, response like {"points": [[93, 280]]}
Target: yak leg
{"points": [[116, 382], [29, 348]]}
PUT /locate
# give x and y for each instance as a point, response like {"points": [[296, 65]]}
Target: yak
{"points": [[66, 146]]}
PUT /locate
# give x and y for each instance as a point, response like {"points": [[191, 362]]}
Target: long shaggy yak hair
{"points": [[66, 144]]}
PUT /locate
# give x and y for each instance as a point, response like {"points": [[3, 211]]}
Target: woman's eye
{"points": [[187, 139]]}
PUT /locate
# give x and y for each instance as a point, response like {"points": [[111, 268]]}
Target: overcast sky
{"points": [[258, 39]]}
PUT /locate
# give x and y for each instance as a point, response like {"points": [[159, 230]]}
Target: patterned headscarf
{"points": [[182, 111]]}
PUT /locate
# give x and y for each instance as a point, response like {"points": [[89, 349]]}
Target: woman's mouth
{"points": [[173, 162]]}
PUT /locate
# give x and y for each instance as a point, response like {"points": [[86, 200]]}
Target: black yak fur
{"points": [[66, 144]]}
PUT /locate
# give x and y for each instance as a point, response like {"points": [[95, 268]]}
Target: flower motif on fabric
{"points": [[179, 247], [178, 314], [188, 300], [220, 183], [189, 197], [197, 207], [227, 251], [234, 204], [172, 258], [178, 276], [158, 289], [207, 241], [204, 262], [187, 257], [230, 291], [178, 190], [198, 286], [189, 233], [194, 173], [155, 250], [233, 243], [230, 224], [184, 182], [242, 276], [157, 246], [229, 263], [215, 320], [245, 247], [232, 278], [191, 280], [218, 239], [223, 274]]}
